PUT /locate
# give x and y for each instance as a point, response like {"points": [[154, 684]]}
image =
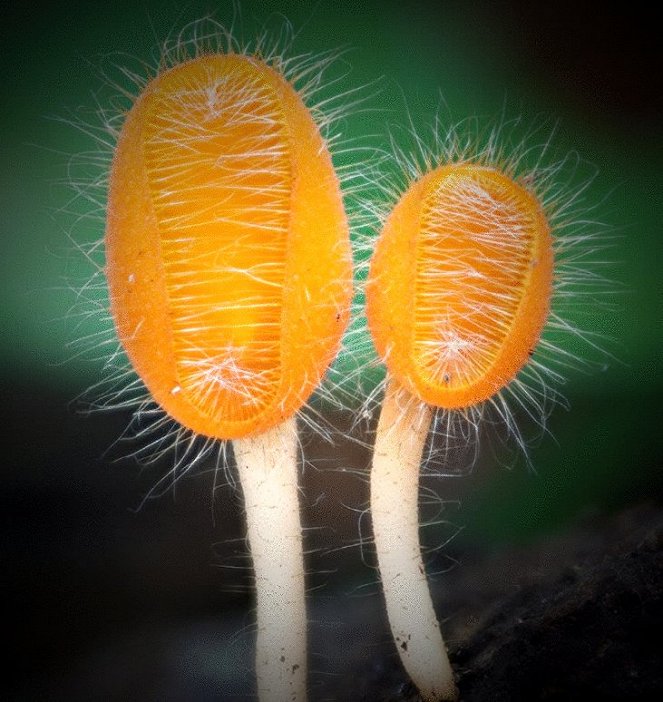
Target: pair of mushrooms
{"points": [[229, 266]]}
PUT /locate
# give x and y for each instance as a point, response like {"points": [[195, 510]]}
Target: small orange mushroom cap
{"points": [[460, 284], [227, 247]]}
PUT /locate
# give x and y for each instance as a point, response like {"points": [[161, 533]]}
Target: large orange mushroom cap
{"points": [[227, 247]]}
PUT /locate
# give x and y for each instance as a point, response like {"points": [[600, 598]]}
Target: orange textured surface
{"points": [[460, 284], [227, 246]]}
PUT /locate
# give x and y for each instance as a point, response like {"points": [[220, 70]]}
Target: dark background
{"points": [[103, 595]]}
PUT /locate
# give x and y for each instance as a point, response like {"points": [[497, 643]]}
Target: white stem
{"points": [[399, 443], [267, 466]]}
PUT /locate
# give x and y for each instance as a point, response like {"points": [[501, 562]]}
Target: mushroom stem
{"points": [[267, 465], [399, 443]]}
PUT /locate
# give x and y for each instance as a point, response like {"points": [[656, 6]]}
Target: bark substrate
{"points": [[577, 617]]}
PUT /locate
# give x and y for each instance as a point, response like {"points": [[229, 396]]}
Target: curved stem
{"points": [[399, 443], [267, 466]]}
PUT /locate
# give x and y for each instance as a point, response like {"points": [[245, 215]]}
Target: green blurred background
{"points": [[590, 73]]}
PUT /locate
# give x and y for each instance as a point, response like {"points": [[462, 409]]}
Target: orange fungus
{"points": [[460, 284], [227, 247]]}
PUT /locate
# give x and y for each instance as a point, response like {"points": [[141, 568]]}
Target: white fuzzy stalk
{"points": [[267, 466], [399, 443]]}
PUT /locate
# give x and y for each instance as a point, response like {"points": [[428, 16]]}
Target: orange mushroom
{"points": [[458, 293], [230, 278]]}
